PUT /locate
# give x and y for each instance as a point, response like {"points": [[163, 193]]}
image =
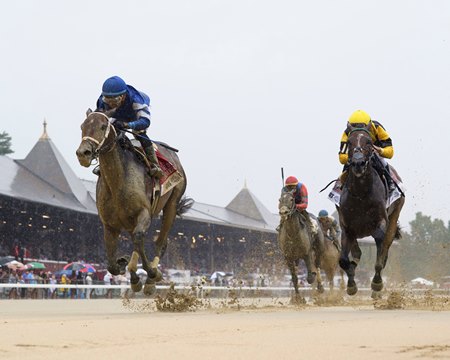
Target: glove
{"points": [[120, 125]]}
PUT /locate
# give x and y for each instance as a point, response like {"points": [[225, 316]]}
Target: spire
{"points": [[245, 183], [44, 135]]}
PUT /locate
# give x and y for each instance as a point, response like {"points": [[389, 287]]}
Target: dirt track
{"points": [[112, 329]]}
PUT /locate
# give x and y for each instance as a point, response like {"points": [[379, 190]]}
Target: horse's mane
{"points": [[125, 143]]}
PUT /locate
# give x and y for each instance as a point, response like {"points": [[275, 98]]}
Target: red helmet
{"points": [[291, 180]]}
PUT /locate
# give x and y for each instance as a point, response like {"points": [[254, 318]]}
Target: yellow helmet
{"points": [[359, 117]]}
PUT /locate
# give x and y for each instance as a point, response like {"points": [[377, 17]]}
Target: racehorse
{"points": [[295, 241], [363, 209], [125, 200], [329, 262]]}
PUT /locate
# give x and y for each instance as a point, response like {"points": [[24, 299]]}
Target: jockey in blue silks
{"points": [[132, 111]]}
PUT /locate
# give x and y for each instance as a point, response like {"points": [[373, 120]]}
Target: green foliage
{"points": [[5, 143], [424, 252]]}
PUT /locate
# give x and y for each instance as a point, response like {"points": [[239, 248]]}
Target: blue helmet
{"points": [[114, 86], [323, 213]]}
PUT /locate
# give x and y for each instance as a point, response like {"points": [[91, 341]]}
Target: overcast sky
{"points": [[242, 88]]}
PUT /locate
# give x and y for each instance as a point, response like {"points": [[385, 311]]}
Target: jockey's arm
{"points": [[143, 117], [385, 149], [303, 195], [343, 155]]}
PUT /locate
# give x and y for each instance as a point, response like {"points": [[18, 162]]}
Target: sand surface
{"points": [[110, 329]]}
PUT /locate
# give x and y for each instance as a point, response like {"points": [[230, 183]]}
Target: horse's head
{"points": [[360, 148], [95, 131], [286, 205]]}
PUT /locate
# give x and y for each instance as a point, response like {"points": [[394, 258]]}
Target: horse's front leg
{"points": [[296, 298], [310, 266], [346, 264], [111, 239]]}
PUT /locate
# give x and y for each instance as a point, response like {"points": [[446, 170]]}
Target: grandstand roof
{"points": [[45, 177]]}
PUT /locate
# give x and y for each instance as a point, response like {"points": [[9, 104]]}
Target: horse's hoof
{"points": [[158, 277], [311, 277], [136, 287], [352, 290], [114, 270], [149, 289], [376, 286], [320, 289], [122, 264]]}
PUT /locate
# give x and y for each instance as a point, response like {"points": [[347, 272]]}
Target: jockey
{"points": [[301, 204], [131, 112], [301, 200], [382, 143], [330, 228]]}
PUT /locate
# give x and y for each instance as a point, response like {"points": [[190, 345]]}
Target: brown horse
{"points": [[124, 199], [363, 209], [329, 263], [295, 241]]}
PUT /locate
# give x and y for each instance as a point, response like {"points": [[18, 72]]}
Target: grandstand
{"points": [[47, 209]]}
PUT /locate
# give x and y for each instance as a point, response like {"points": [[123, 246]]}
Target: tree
{"points": [[425, 252], [5, 143]]}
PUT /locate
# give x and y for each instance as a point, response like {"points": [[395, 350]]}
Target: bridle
{"points": [[284, 211], [358, 156], [101, 146]]}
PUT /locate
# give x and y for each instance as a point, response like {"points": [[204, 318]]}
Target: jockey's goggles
{"points": [[113, 101]]}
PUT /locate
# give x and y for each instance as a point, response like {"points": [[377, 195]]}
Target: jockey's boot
{"points": [[336, 243], [96, 170], [151, 155], [390, 181]]}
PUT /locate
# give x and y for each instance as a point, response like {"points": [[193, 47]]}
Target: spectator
{"points": [[89, 281], [51, 290]]}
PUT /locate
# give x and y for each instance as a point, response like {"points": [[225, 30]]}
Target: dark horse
{"points": [[295, 241], [125, 201], [363, 209]]}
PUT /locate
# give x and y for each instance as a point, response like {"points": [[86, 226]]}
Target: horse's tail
{"points": [[184, 205], [398, 232]]}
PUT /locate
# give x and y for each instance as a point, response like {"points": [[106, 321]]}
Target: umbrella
{"points": [[74, 266], [88, 268], [65, 272], [34, 265], [6, 259], [216, 274], [14, 264], [422, 281]]}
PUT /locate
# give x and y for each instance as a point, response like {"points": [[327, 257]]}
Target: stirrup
{"points": [[96, 170], [156, 171]]}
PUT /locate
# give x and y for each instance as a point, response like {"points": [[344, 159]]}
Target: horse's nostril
{"points": [[87, 153]]}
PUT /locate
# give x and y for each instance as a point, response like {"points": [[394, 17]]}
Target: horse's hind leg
{"points": [[143, 222], [320, 288], [168, 217]]}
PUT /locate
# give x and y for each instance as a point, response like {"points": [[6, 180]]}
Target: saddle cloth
{"points": [[335, 194], [171, 175]]}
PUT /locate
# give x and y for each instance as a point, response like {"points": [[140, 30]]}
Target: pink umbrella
{"points": [[88, 268]]}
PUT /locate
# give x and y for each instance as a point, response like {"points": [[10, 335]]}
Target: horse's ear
{"points": [[88, 111], [110, 113], [349, 128]]}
